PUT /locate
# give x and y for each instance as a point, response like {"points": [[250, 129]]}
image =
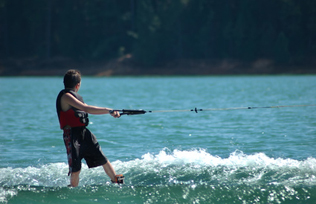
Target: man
{"points": [[79, 141]]}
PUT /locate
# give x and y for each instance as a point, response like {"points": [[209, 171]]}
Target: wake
{"points": [[173, 167]]}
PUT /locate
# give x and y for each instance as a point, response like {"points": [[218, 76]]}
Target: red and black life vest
{"points": [[72, 117]]}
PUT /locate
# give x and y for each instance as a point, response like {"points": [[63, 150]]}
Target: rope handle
{"points": [[129, 111]]}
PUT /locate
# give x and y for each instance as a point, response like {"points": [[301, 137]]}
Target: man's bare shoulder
{"points": [[68, 100], [64, 101]]}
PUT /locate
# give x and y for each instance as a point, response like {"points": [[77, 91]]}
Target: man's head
{"points": [[72, 78]]}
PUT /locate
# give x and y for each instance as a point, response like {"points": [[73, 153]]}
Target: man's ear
{"points": [[77, 86]]}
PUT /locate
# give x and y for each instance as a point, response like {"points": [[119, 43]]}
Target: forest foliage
{"points": [[155, 31]]}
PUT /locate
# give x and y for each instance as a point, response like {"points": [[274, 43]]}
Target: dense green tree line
{"points": [[155, 31]]}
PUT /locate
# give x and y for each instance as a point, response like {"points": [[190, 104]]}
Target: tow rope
{"points": [[196, 110]]}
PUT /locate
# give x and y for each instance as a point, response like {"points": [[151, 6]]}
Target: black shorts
{"points": [[82, 144]]}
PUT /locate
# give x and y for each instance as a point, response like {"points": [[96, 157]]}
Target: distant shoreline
{"points": [[127, 67]]}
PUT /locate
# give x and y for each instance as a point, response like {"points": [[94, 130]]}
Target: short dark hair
{"points": [[72, 78]]}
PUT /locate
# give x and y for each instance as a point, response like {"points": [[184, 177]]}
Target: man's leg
{"points": [[74, 179], [109, 170]]}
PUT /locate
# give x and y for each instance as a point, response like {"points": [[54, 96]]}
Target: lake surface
{"points": [[264, 155]]}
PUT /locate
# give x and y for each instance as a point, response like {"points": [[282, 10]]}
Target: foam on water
{"points": [[200, 166], [194, 168], [176, 164]]}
